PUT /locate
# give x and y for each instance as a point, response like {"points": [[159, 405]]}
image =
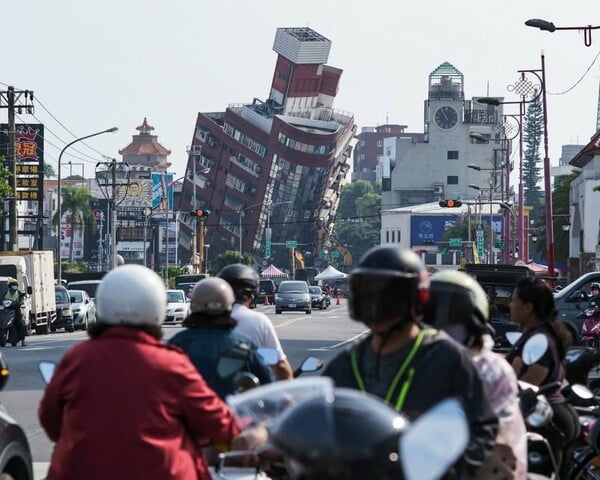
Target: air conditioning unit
{"points": [[438, 190]]}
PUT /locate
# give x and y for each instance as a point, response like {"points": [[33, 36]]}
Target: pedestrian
{"points": [[125, 405], [532, 307], [412, 368], [210, 334], [459, 306], [16, 296], [255, 325]]}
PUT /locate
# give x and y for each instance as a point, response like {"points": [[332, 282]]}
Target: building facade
{"points": [[462, 145], [270, 172]]}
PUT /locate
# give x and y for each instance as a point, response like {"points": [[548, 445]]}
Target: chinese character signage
{"points": [[29, 160], [430, 229]]}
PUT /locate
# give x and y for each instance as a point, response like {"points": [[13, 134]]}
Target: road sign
{"points": [[335, 254], [455, 242], [480, 241], [498, 244], [291, 244], [268, 249]]}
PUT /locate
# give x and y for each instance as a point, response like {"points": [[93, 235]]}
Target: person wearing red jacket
{"points": [[124, 405]]}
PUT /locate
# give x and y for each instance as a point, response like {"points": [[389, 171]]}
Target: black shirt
{"points": [[442, 369]]}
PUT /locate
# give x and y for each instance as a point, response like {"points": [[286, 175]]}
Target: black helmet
{"points": [[595, 286], [242, 278], [388, 282], [328, 438], [458, 299]]}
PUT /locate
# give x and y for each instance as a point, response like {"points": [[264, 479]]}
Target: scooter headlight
{"points": [[542, 413]]}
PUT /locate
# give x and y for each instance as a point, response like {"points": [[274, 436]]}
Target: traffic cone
{"points": [[267, 300], [337, 302]]}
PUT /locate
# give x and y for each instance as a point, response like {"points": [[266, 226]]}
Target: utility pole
{"points": [[107, 176], [9, 100]]}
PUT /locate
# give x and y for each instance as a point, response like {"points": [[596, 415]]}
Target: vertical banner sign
{"points": [[29, 156], [162, 192]]}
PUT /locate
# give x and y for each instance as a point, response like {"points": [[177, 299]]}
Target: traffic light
{"points": [[200, 213], [450, 203]]}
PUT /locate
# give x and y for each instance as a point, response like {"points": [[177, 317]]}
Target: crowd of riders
{"points": [[126, 404]]}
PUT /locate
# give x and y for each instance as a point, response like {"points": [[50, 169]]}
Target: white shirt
{"points": [[257, 326]]}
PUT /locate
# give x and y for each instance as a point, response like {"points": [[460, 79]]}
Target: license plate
{"points": [[291, 305]]}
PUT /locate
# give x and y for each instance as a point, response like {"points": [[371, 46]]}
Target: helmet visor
{"points": [[449, 307], [377, 298]]}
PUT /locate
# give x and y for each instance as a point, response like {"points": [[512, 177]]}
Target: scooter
{"points": [[8, 333], [590, 330]]}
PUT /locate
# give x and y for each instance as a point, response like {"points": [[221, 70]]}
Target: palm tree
{"points": [[49, 171], [77, 200]]}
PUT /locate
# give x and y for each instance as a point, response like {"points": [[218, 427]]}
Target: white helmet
{"points": [[131, 295], [212, 296]]}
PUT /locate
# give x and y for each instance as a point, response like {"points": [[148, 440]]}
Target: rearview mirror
{"points": [[73, 300], [534, 348]]}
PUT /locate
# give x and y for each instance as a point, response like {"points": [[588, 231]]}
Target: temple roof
{"points": [[144, 143]]}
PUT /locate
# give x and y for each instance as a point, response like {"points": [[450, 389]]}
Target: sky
{"points": [[96, 64]]}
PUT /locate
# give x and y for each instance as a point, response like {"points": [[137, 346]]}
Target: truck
{"points": [[34, 271], [187, 281]]}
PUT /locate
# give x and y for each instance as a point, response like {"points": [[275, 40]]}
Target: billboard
{"points": [[162, 192], [430, 229]]}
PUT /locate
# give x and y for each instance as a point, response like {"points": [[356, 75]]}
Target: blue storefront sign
{"points": [[430, 229]]}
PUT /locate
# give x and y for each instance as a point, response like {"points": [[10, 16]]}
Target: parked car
{"points": [[572, 300], [266, 288], [292, 295], [15, 454], [318, 299], [178, 306], [90, 286], [64, 313], [84, 309]]}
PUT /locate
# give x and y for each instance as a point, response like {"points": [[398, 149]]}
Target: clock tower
{"points": [[444, 107]]}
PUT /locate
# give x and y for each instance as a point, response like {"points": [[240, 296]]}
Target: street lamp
{"points": [[550, 27], [491, 239], [59, 206], [242, 212], [523, 87]]}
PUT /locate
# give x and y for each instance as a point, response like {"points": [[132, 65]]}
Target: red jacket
{"points": [[126, 406]]}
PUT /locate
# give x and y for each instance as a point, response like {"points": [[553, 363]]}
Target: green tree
{"points": [[560, 211], [532, 134], [76, 201], [49, 171], [358, 221], [227, 258], [5, 190]]}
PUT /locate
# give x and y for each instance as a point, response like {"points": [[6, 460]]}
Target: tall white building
{"points": [[417, 170]]}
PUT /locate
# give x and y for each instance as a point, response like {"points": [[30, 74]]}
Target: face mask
{"points": [[14, 287]]}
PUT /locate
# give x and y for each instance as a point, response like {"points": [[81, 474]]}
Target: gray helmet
{"points": [[212, 296], [242, 278]]}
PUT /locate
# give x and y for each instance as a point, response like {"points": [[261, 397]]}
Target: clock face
{"points": [[446, 117]]}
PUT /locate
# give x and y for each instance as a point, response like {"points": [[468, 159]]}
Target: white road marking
{"points": [[331, 347]]}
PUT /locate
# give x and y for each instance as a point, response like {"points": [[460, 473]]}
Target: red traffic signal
{"points": [[450, 203], [199, 213]]}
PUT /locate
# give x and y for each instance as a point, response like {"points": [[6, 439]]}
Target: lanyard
{"points": [[406, 385]]}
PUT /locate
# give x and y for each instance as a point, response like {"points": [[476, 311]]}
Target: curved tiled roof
{"points": [[144, 143]]}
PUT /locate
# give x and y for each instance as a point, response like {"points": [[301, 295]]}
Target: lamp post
{"points": [[59, 200], [524, 88], [270, 207], [242, 212], [550, 27], [491, 239]]}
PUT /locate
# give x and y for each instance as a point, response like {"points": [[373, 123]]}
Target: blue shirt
{"points": [[204, 346]]}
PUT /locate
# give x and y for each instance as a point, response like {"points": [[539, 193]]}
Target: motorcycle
{"points": [[311, 424], [8, 332], [590, 330]]}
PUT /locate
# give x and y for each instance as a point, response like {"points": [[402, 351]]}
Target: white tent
{"points": [[330, 273]]}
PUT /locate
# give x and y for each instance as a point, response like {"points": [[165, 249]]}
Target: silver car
{"points": [[84, 309], [292, 295]]}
